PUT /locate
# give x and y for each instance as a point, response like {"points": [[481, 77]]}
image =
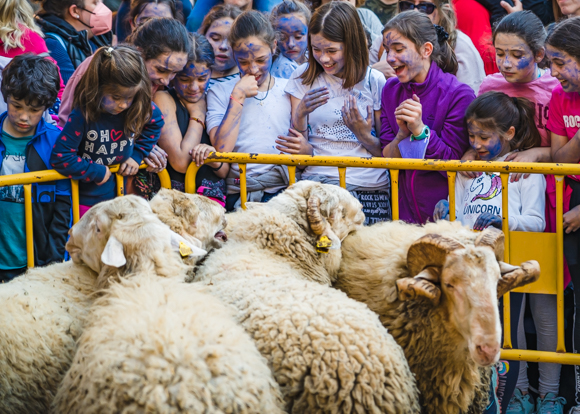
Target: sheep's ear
{"points": [[184, 247], [113, 254], [516, 276]]}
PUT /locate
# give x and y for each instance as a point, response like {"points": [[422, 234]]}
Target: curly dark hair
{"points": [[31, 78]]}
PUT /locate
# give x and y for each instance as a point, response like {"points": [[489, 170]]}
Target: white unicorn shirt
{"points": [[527, 200]]}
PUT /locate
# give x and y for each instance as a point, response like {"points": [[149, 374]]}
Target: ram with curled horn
{"points": [[435, 288]]}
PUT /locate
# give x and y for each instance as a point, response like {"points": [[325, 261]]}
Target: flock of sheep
{"points": [[288, 307]]}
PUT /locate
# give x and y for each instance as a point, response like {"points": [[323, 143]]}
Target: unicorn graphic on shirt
{"points": [[482, 191]]}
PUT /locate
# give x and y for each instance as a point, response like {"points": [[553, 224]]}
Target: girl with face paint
{"points": [[336, 104], [216, 28], [144, 10], [113, 122], [183, 136], [247, 114], [290, 20], [424, 101], [563, 50]]}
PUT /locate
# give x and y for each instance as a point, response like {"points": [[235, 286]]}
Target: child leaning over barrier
{"points": [[30, 85], [113, 122], [499, 126]]}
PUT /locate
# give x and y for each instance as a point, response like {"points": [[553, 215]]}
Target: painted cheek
{"points": [[108, 104], [524, 63]]}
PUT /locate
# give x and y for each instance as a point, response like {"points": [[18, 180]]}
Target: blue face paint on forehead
{"points": [[254, 57], [191, 83], [565, 68], [293, 36]]}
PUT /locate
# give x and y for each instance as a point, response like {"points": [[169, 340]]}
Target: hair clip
{"points": [[108, 51], [442, 35]]}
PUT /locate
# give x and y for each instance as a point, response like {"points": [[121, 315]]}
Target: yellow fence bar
{"points": [[28, 220], [451, 183], [507, 328], [561, 347], [74, 184], [243, 189], [395, 194]]}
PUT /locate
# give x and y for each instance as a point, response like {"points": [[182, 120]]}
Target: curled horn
{"points": [[409, 288], [516, 276], [493, 238], [315, 219], [430, 251]]}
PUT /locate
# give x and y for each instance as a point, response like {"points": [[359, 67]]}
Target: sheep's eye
{"points": [[449, 286], [98, 229]]}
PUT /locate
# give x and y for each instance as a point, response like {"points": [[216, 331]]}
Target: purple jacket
{"points": [[444, 101]]}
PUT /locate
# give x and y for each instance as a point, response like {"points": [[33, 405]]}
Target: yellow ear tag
{"points": [[184, 249], [323, 244]]}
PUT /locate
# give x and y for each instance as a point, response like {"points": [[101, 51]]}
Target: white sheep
{"points": [[435, 289], [156, 344], [329, 354], [43, 311]]}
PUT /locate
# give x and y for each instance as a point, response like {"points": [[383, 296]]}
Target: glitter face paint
{"points": [[254, 57], [403, 57], [163, 69], [514, 58], [118, 101], [330, 55], [217, 35], [293, 36], [191, 83], [488, 144], [564, 68]]}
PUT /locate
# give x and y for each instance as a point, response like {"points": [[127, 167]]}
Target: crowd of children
{"points": [[298, 80]]}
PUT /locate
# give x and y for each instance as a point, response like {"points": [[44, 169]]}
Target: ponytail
{"points": [[496, 111], [417, 27]]}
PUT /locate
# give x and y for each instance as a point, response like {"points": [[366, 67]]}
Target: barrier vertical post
{"points": [[292, 174], [507, 336], [243, 190], [74, 187], [190, 176], [451, 181], [395, 194], [561, 347], [120, 185], [342, 176], [28, 220]]}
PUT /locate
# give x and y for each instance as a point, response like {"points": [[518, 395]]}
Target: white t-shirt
{"points": [[470, 71], [527, 200], [329, 135], [261, 121], [283, 67]]}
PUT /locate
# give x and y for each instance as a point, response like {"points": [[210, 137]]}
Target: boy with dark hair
{"points": [[30, 85]]}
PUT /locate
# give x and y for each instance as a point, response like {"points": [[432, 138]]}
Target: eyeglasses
{"points": [[427, 8]]}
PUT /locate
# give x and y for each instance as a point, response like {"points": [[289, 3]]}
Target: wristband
{"points": [[235, 100], [425, 132], [193, 118]]}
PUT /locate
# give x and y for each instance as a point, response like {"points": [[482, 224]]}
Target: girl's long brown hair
{"points": [[110, 68], [338, 21]]}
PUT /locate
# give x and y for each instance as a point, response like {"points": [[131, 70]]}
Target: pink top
{"points": [[538, 91], [33, 43]]}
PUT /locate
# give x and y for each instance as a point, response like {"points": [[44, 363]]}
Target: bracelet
{"points": [[193, 118], [307, 128], [235, 100], [216, 168]]}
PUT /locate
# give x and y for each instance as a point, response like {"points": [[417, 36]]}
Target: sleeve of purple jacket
{"points": [[452, 142]]}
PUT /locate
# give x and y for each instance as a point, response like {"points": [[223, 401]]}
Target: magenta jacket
{"points": [[444, 101]]}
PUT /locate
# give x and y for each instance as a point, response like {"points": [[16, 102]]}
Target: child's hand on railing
{"points": [[295, 143], [129, 167], [200, 152], [572, 220], [156, 160], [441, 210]]}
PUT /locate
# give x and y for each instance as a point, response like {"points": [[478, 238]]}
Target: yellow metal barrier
{"points": [[27, 179], [547, 248]]}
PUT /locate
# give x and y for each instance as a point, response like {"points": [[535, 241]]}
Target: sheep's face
{"points": [[468, 283], [191, 216]]}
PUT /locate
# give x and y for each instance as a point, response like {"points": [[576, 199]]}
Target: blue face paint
{"points": [[330, 55], [515, 58], [564, 68], [293, 36], [488, 144], [403, 57], [217, 35], [191, 83], [118, 101], [254, 57], [153, 10]]}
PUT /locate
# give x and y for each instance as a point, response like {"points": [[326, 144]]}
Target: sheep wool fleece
{"points": [[329, 354], [159, 345], [41, 317]]}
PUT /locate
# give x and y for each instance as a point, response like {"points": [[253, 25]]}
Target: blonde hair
{"points": [[15, 17]]}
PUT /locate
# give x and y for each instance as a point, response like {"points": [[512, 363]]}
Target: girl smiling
{"points": [[426, 101], [248, 113], [336, 104]]}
